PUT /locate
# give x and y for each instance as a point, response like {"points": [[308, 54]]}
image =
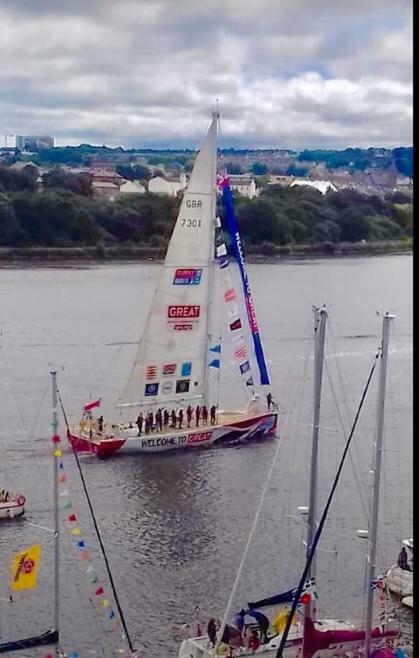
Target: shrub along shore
{"points": [[62, 219], [254, 254]]}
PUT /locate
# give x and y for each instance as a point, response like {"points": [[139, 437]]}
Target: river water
{"points": [[175, 524]]}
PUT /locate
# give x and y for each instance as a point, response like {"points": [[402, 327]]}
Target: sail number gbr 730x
{"points": [[191, 223]]}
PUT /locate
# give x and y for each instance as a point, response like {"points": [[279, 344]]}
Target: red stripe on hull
{"points": [[99, 448]]}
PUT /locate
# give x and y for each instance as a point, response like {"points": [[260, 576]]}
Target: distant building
{"points": [[244, 185], [131, 187], [322, 186], [284, 181], [20, 165], [404, 182], [167, 185], [106, 184], [102, 164], [34, 143], [105, 189]]}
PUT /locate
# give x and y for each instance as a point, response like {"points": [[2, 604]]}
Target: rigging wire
{"points": [[362, 487], [102, 547], [312, 549], [254, 525], [291, 469], [97, 620]]}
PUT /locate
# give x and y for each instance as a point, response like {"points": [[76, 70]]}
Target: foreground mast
{"points": [[319, 338], [373, 521], [56, 508]]}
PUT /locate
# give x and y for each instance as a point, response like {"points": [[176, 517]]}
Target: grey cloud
{"points": [[148, 72]]}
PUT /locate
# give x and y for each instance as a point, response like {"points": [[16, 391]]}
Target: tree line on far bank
{"points": [[65, 214]]}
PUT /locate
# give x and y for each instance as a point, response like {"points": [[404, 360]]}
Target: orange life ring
{"points": [[21, 500]]}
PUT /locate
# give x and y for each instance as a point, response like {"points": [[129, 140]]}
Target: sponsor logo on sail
{"points": [[240, 352], [244, 367], [182, 326], [187, 277], [236, 324], [182, 385], [229, 295], [169, 369], [167, 387], [151, 389], [183, 311], [186, 369], [151, 372]]}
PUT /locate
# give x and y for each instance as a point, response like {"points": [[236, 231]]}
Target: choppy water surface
{"points": [[175, 524]]}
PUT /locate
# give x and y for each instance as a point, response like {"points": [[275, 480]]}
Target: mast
{"points": [[206, 391], [56, 512], [319, 337], [378, 450]]}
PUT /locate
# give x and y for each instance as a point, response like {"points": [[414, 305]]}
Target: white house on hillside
{"points": [[131, 187], [244, 185], [322, 186], [167, 185]]}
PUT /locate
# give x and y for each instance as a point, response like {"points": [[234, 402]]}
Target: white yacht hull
{"points": [[239, 429], [400, 581], [199, 647], [11, 510], [408, 601]]}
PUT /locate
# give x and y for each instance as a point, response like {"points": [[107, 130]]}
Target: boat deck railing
{"points": [[113, 431]]}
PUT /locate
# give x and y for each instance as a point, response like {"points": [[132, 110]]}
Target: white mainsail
{"points": [[171, 361]]}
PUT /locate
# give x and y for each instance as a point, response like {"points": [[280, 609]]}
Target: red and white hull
{"points": [[13, 507], [257, 427]]}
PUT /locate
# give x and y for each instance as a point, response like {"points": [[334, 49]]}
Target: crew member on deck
{"points": [[173, 417], [165, 418], [189, 415], [197, 414], [205, 414], [269, 401], [212, 414], [402, 560], [254, 642], [212, 631], [100, 424], [159, 420], [180, 417], [139, 422]]}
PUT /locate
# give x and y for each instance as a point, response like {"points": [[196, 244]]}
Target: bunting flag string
{"points": [[98, 597]]}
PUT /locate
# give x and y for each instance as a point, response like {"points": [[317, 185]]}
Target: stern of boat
{"points": [[101, 447]]}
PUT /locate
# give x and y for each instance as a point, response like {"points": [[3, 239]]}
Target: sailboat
{"points": [[203, 292], [25, 564], [307, 636], [12, 505], [400, 581]]}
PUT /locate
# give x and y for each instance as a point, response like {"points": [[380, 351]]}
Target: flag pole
{"points": [[56, 454]]}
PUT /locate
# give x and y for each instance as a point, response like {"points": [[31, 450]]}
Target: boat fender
{"points": [[21, 500]]}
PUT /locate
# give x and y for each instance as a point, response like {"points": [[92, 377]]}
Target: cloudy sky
{"points": [[287, 73]]}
